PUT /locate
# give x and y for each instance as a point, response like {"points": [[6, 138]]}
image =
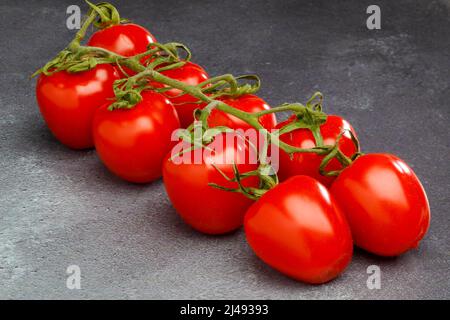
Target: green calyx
{"points": [[107, 14], [266, 182], [72, 63]]}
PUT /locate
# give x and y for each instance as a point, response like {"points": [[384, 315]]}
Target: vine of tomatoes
{"points": [[150, 112]]}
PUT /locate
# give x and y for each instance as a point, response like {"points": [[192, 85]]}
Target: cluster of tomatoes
{"points": [[305, 226]]}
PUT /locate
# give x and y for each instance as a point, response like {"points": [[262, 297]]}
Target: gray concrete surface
{"points": [[60, 207]]}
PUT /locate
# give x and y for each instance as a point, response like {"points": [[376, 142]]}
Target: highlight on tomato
{"points": [[67, 102], [309, 163], [298, 229], [384, 202], [132, 143], [249, 103], [187, 178]]}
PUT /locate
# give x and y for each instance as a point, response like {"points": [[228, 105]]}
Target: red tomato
{"points": [[205, 208], [191, 74], [132, 143], [308, 163], [125, 39], [68, 101], [298, 229], [248, 103], [385, 204]]}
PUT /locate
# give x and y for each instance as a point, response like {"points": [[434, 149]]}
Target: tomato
{"points": [[125, 39], [132, 143], [67, 102], [203, 207], [185, 104], [384, 202], [298, 229], [308, 163], [248, 103]]}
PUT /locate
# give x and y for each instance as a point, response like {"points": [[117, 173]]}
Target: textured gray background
{"points": [[60, 207]]}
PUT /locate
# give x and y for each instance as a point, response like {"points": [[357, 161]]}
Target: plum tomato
{"points": [[298, 229], [202, 206], [127, 39], [67, 102], [132, 143], [185, 104], [309, 163], [384, 202]]}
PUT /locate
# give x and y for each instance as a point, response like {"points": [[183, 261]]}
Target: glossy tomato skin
{"points": [[185, 104], [309, 163], [127, 39], [203, 207], [67, 102], [132, 143], [248, 103], [298, 229], [384, 202]]}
